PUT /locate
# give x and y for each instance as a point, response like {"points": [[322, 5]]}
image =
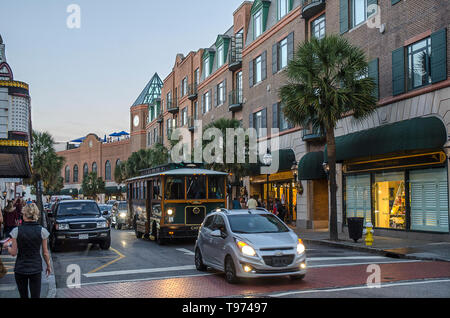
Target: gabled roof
{"points": [[151, 92]]}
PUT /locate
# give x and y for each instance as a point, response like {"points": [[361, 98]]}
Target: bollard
{"points": [[368, 231]]}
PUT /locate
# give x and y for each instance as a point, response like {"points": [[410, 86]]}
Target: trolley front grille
{"points": [[195, 214]]}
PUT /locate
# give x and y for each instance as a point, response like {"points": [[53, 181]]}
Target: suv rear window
{"points": [[256, 223], [78, 209]]}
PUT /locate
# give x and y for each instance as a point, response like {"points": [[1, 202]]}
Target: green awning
{"points": [[425, 133], [112, 190], [310, 167], [69, 192]]}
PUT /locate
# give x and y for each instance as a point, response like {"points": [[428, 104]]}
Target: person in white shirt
{"points": [[252, 204]]}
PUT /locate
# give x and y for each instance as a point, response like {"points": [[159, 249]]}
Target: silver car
{"points": [[249, 244]]}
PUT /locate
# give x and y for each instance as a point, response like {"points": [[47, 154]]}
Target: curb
{"points": [[372, 250]]}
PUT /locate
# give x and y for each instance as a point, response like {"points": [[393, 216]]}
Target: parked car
{"points": [[249, 244], [106, 208], [78, 221], [120, 214]]}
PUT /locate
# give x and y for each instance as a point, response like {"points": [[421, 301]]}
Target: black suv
{"points": [[78, 221]]}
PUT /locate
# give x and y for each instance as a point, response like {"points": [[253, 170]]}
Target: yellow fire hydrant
{"points": [[368, 231]]}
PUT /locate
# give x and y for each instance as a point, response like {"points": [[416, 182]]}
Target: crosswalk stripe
{"points": [[140, 271]]}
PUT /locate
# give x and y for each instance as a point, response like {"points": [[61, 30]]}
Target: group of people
{"points": [[276, 206], [25, 239]]}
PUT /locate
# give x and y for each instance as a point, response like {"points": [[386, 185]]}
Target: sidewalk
{"points": [[8, 287], [387, 246]]}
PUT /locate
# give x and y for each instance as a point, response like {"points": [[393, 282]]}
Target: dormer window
{"points": [[258, 23]]}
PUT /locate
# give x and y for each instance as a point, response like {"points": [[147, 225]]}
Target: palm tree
{"points": [[327, 78], [47, 165], [92, 185]]}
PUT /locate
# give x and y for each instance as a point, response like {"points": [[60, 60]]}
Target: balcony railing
{"points": [[235, 100], [235, 52], [312, 134], [172, 106], [192, 91], [191, 123], [311, 8]]}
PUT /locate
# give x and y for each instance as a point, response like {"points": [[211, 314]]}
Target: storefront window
{"points": [[429, 200], [216, 188], [196, 187], [174, 189], [389, 200], [357, 197]]}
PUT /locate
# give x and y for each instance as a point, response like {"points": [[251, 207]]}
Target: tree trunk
{"points": [[39, 203], [331, 146]]}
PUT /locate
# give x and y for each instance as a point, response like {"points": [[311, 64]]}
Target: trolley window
{"points": [[216, 187], [174, 188], [196, 187]]}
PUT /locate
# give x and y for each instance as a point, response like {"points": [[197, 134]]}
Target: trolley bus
{"points": [[172, 201]]}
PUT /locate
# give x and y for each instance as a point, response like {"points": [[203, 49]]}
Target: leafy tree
{"points": [[92, 185], [326, 79]]}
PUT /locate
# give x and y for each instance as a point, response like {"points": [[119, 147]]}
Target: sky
{"points": [[84, 80]]}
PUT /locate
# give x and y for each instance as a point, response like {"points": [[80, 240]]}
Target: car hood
{"points": [[270, 240], [73, 219]]}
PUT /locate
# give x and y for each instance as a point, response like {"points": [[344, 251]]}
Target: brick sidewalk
{"points": [[216, 286]]}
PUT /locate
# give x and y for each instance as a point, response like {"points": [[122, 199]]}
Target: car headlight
{"points": [[123, 215], [102, 225], [62, 227], [245, 248], [300, 247]]}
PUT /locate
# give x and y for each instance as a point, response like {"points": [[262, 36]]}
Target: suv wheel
{"points": [[230, 271], [105, 245], [199, 261]]}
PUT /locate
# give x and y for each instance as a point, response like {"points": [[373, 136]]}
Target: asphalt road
{"points": [[143, 265]]}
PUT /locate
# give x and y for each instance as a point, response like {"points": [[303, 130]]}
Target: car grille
{"points": [[278, 261], [82, 226], [195, 215]]}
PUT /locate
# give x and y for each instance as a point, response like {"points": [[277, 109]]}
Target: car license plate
{"points": [[83, 237]]}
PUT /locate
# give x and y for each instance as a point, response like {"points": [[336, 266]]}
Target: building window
{"points": [[318, 27], [220, 94], [75, 173], [220, 56], [283, 8], [85, 170], [184, 116], [94, 168], [206, 99], [419, 64], [239, 86], [284, 123], [196, 77], [206, 66], [258, 69], [184, 84], [108, 170], [283, 53], [260, 123], [359, 12], [258, 23], [67, 175]]}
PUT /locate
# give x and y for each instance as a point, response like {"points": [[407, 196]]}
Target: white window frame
{"points": [[220, 56], [258, 69], [355, 22], [283, 4], [283, 53], [258, 23]]}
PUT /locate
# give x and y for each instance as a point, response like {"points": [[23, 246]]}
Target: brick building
{"points": [[397, 177]]}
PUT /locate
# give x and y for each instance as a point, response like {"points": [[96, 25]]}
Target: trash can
{"points": [[355, 228]]}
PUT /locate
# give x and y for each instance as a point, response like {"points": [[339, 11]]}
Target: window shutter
{"points": [[439, 56], [224, 97], [398, 71], [216, 96], [275, 58], [373, 73], [250, 121], [203, 104], [275, 123], [343, 11], [210, 99], [250, 73], [290, 46], [264, 65]]}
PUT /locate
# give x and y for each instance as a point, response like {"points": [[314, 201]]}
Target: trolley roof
{"points": [[181, 172]]}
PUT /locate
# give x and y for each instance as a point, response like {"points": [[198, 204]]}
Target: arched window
{"points": [[85, 170], [67, 175], [75, 173], [94, 167], [107, 170]]}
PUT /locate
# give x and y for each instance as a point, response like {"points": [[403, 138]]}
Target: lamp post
{"points": [[267, 161]]}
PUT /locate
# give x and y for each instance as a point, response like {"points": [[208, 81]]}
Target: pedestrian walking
{"points": [[236, 204], [19, 204], [27, 241], [252, 204], [1, 224], [281, 210], [243, 204], [10, 218]]}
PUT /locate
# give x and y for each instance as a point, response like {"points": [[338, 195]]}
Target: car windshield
{"points": [[78, 208], [256, 223], [122, 206]]}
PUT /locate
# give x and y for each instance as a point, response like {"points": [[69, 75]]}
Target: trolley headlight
{"points": [[170, 215], [122, 215], [300, 247], [245, 248], [170, 212]]}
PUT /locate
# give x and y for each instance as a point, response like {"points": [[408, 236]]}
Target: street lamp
{"points": [[267, 161]]}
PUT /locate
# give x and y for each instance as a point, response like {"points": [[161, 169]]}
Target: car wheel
{"points": [[199, 261], [297, 277], [105, 245], [230, 271]]}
